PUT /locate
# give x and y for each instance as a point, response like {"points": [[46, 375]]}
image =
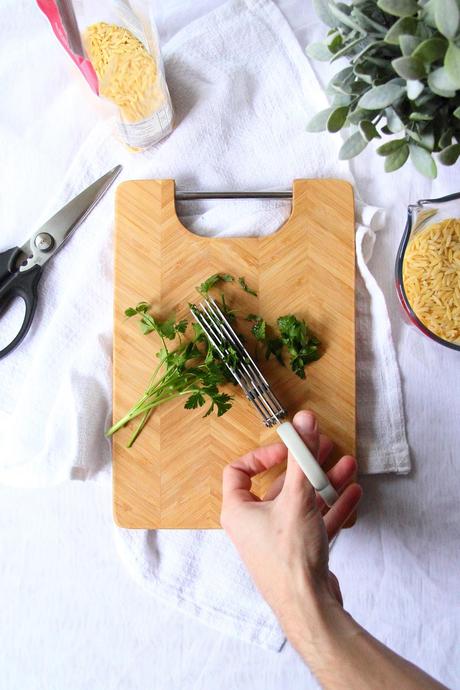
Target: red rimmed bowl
{"points": [[419, 216]]}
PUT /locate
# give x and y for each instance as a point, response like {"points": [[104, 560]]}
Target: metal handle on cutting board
{"points": [[310, 467]]}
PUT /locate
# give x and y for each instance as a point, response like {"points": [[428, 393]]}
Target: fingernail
{"points": [[306, 422]]}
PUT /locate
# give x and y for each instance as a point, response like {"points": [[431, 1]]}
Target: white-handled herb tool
{"points": [[247, 374]]}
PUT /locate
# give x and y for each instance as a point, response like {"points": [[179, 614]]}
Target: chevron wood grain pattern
{"points": [[171, 477]]}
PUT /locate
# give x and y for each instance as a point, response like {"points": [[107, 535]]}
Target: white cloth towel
{"points": [[243, 91]]}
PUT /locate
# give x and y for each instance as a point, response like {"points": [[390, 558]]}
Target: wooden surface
{"points": [[171, 477]]}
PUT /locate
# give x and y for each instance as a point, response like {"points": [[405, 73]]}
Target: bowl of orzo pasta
{"points": [[428, 268]]}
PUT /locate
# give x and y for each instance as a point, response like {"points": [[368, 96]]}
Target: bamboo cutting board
{"points": [[172, 475]]}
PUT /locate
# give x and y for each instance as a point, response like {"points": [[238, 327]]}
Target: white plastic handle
{"points": [[310, 467]]}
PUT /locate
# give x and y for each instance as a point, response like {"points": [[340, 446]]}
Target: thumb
{"points": [[307, 427]]}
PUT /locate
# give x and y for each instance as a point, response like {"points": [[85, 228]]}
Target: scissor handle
{"points": [[21, 284]]}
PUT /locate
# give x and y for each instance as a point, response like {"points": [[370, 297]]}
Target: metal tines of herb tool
{"points": [[229, 347]]}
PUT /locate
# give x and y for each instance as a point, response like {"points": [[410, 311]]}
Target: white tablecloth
{"points": [[71, 616]]}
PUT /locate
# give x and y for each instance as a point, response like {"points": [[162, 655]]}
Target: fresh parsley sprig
{"points": [[302, 345], [245, 286], [214, 280], [191, 369]]}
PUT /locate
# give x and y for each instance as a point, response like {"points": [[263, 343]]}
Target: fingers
{"points": [[306, 425], [325, 448], [237, 476], [342, 509], [340, 475]]}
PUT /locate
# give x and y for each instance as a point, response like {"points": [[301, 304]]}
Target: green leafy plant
{"points": [[302, 345], [190, 368], [264, 334], [294, 334], [403, 79], [245, 286], [214, 280]]}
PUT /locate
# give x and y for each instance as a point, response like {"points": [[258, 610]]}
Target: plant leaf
{"points": [[381, 96], [358, 115], [394, 122], [449, 155], [348, 47], [427, 138], [452, 64], [427, 14], [431, 49], [414, 89], [194, 401], [344, 18], [420, 117], [405, 25], [440, 83], [318, 51], [423, 161], [396, 159], [390, 147], [368, 23], [318, 122], [408, 43], [365, 72], [368, 130], [335, 43], [337, 119], [245, 286], [340, 99], [324, 13], [409, 67], [414, 135], [399, 8], [340, 78], [259, 330], [447, 16], [456, 112], [352, 146], [445, 139], [213, 280]]}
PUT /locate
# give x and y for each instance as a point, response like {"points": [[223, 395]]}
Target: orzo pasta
{"points": [[431, 277], [127, 73]]}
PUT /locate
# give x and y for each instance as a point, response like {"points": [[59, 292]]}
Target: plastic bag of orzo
{"points": [[114, 44]]}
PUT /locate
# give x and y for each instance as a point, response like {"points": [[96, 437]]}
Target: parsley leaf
{"points": [[191, 369], [246, 288], [274, 347], [149, 323], [213, 280], [263, 333], [181, 326], [302, 345], [223, 403], [225, 309], [195, 400], [166, 328], [259, 330]]}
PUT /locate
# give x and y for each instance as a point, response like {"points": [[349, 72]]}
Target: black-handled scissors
{"points": [[21, 267]]}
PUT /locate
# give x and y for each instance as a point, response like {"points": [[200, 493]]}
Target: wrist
{"points": [[317, 621]]}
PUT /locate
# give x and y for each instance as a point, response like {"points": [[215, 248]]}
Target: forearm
{"points": [[342, 655]]}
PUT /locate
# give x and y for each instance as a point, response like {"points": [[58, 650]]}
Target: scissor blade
{"points": [[65, 221]]}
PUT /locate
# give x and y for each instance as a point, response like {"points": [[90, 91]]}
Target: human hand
{"points": [[284, 538]]}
